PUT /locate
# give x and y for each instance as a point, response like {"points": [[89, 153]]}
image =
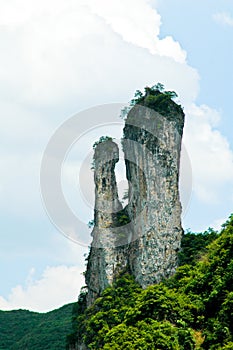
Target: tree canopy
{"points": [[191, 310]]}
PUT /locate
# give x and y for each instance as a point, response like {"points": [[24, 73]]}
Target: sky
{"points": [[59, 58]]}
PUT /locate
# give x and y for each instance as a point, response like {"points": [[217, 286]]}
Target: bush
{"points": [[191, 310]]}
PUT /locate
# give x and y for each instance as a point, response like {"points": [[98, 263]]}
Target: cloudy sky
{"points": [[61, 57]]}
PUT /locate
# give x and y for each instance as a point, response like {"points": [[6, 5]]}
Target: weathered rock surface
{"points": [[147, 246], [152, 146], [107, 257]]}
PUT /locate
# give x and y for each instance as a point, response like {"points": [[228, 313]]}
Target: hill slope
{"points": [[22, 329], [191, 310]]}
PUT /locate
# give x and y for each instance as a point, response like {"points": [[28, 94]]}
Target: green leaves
{"points": [[149, 334], [21, 329], [194, 245], [156, 98], [191, 310], [101, 140], [160, 303]]}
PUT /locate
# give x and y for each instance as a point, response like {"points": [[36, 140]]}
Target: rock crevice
{"points": [[145, 236]]}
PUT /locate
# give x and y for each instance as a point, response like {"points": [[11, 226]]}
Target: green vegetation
{"points": [[194, 245], [157, 98], [21, 329], [191, 310], [101, 140], [91, 223]]}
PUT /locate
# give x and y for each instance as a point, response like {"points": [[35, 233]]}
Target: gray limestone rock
{"points": [[107, 257], [152, 146], [143, 238]]}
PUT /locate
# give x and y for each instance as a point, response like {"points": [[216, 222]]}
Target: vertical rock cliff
{"points": [[151, 225], [107, 257], [152, 144]]}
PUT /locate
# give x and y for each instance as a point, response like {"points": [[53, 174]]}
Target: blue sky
{"points": [[202, 29], [61, 57]]}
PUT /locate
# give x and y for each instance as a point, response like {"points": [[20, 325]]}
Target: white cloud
{"points": [[23, 135], [138, 24], [217, 224], [223, 18], [210, 153], [58, 286], [60, 51], [135, 20], [170, 48], [20, 185], [66, 251]]}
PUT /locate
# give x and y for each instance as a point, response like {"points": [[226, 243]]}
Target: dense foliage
{"points": [[191, 310], [194, 245], [157, 98], [102, 139], [21, 329]]}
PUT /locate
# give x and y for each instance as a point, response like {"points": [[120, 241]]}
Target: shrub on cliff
{"points": [[156, 98], [191, 310]]}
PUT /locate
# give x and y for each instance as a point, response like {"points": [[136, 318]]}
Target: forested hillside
{"points": [[21, 329], [191, 310]]}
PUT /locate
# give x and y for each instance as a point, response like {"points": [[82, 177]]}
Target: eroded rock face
{"points": [[106, 257], [152, 239], [152, 146]]}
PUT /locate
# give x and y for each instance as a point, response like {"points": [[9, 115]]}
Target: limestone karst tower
{"points": [[145, 236], [107, 255]]}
